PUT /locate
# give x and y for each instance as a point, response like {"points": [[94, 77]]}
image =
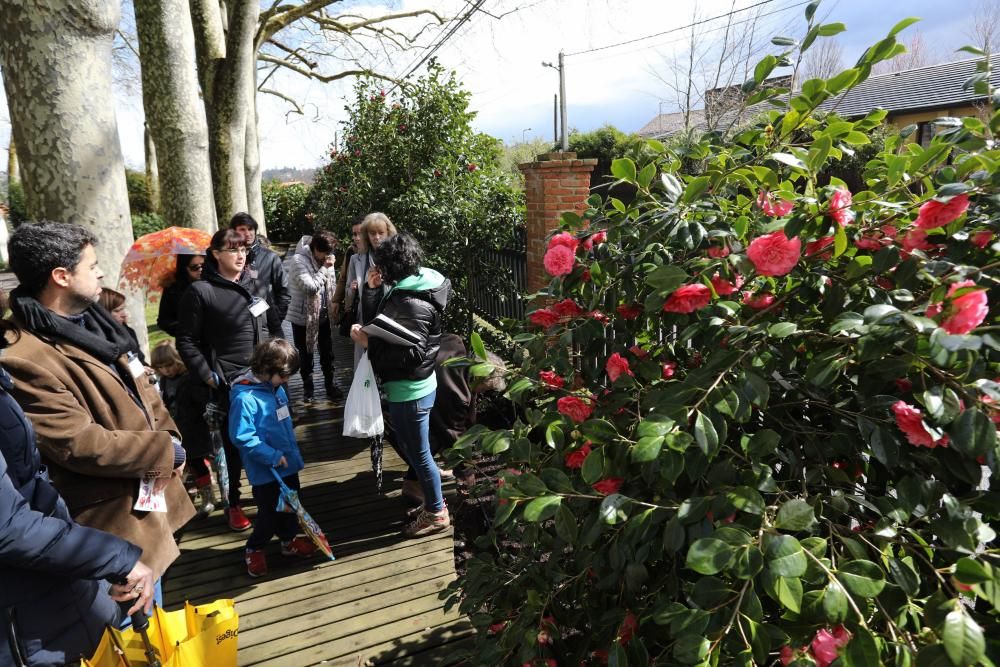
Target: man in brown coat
{"points": [[100, 424]]}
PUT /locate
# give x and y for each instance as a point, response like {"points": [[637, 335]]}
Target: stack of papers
{"points": [[390, 331]]}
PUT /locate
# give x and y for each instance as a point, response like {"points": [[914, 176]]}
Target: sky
{"points": [[500, 61]]}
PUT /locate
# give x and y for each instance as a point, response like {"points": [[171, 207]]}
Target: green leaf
{"points": [[599, 431], [784, 556], [496, 442], [962, 638], [477, 346], [861, 651], [694, 189], [542, 508], [566, 525], [862, 578], [666, 279], [593, 466], [790, 160], [904, 576], [795, 515], [705, 434], [903, 25], [623, 168], [612, 509], [645, 176], [709, 555], [654, 425], [786, 590], [647, 449], [783, 41], [843, 80], [691, 649], [839, 241], [835, 602], [973, 433], [764, 68], [970, 572], [746, 500], [530, 484], [782, 329]]}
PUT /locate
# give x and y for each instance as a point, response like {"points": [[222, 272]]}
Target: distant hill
{"points": [[285, 174]]}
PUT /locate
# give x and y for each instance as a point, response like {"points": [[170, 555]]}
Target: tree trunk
{"points": [[174, 113], [229, 112], [152, 176], [251, 162], [56, 57], [210, 44], [13, 168]]}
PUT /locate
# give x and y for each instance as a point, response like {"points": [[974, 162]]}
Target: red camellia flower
{"points": [[776, 208], [774, 254], [576, 458], [867, 243], [497, 628], [963, 313], [629, 312], [628, 629], [564, 239], [916, 239], [551, 379], [544, 318], [815, 248], [723, 287], [616, 366], [595, 239], [718, 252], [574, 407], [639, 352], [608, 486], [585, 276], [904, 385], [787, 655], [559, 260], [567, 308], [934, 214], [599, 316], [840, 202], [758, 301], [688, 298], [669, 367], [825, 645], [982, 239], [910, 421]]}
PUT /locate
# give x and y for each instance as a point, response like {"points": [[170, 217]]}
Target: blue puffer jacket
{"points": [[256, 430], [50, 596]]}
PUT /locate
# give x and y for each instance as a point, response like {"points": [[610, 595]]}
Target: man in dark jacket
{"points": [[271, 283], [53, 601]]}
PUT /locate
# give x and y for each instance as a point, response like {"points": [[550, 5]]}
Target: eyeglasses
{"points": [[196, 267], [235, 251]]}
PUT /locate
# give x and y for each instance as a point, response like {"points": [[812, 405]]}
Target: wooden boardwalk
{"points": [[377, 604]]}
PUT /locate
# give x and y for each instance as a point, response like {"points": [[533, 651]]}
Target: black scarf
{"points": [[98, 334]]}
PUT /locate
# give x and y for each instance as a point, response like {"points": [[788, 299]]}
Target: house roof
{"points": [[670, 123], [929, 87]]}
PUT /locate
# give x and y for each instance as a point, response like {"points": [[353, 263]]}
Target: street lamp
{"points": [[527, 129]]}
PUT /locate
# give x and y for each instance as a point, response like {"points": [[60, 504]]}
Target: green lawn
{"points": [[155, 334]]}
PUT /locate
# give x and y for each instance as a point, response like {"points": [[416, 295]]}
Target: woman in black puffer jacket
{"points": [[416, 298], [189, 269]]}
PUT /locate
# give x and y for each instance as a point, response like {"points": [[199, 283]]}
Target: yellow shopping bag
{"points": [[195, 636]]}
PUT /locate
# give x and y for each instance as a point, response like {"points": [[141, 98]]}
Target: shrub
{"points": [[140, 199], [756, 414], [17, 204], [287, 209], [145, 223]]}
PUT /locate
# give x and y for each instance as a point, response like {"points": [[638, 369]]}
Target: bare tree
{"points": [[984, 28], [824, 60], [918, 54]]}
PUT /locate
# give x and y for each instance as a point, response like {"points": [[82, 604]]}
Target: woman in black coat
{"points": [[189, 269], [55, 575]]}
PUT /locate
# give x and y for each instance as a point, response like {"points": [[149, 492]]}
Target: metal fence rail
{"points": [[494, 299]]}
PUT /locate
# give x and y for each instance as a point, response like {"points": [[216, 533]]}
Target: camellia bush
{"points": [[757, 414]]}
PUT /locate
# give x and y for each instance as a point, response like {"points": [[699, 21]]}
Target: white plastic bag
{"points": [[363, 410]]}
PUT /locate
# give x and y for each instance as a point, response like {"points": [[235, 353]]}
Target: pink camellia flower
{"points": [[982, 239], [718, 251], [723, 287], [544, 318], [786, 655], [608, 486], [595, 239], [816, 248], [867, 243], [599, 316], [776, 208], [639, 352], [826, 645], [963, 313], [758, 301], [840, 202], [497, 628], [774, 254], [559, 260], [629, 312], [916, 239], [688, 298], [564, 239], [669, 368], [904, 385], [910, 421], [575, 408], [551, 379], [567, 308], [934, 214], [616, 366], [628, 629], [888, 231], [576, 458]]}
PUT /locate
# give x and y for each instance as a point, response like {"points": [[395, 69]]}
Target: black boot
{"points": [[332, 392]]}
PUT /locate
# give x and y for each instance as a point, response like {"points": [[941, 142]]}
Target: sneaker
{"points": [[256, 563], [238, 521], [207, 501], [332, 391], [307, 398], [412, 491], [428, 523], [301, 547]]}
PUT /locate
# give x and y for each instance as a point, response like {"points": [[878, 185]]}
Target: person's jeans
{"points": [[411, 425], [269, 520], [324, 343]]}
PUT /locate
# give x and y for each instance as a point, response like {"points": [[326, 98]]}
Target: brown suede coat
{"points": [[98, 442]]}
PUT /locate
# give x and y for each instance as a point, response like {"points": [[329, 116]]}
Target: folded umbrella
{"points": [[215, 417], [289, 501]]}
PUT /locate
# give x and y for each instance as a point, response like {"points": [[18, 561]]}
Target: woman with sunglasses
{"points": [[189, 268], [221, 322]]}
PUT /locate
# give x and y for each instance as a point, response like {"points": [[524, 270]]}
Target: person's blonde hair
{"points": [[165, 354], [374, 219]]}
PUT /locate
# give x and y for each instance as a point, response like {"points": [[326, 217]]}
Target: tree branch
{"points": [[323, 78], [290, 100], [295, 53]]}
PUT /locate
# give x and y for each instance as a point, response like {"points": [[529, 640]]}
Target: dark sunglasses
{"points": [[196, 267]]}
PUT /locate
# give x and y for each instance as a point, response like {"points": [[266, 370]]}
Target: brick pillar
{"points": [[554, 183]]}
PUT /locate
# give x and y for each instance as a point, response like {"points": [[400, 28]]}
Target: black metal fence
{"points": [[498, 292]]}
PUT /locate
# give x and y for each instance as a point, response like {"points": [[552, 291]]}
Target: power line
{"points": [[446, 36], [679, 28]]}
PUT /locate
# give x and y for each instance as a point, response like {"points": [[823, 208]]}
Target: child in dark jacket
{"points": [[260, 426]]}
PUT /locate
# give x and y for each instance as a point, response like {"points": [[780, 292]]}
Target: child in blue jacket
{"points": [[260, 426]]}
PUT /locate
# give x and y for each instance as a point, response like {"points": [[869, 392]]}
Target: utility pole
{"points": [[564, 138], [555, 119]]}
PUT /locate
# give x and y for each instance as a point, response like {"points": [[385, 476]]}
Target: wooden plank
{"points": [[399, 652]]}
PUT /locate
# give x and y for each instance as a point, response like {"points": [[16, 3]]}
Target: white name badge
{"points": [[258, 307], [283, 413], [135, 367], [149, 500]]}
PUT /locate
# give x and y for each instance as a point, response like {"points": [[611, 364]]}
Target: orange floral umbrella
{"points": [[151, 261]]}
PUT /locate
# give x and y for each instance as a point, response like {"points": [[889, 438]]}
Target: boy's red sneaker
{"points": [[256, 563], [302, 547], [238, 521]]}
